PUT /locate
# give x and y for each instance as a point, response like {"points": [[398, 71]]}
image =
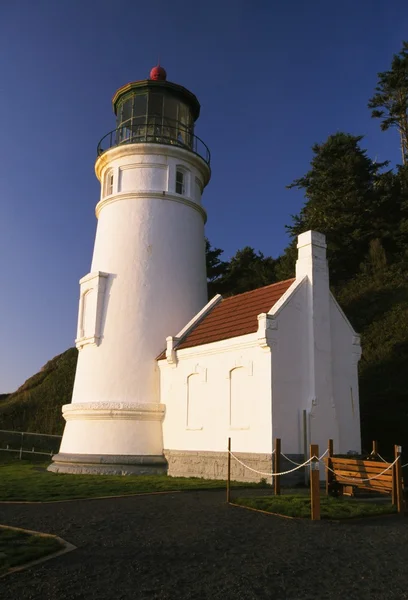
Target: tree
{"points": [[390, 102], [246, 271], [342, 189], [216, 267]]}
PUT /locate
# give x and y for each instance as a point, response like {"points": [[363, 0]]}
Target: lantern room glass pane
{"points": [[171, 109], [139, 106], [155, 116], [139, 128], [155, 105], [127, 111], [184, 125], [119, 116]]}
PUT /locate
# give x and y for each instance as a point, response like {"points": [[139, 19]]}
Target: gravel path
{"points": [[194, 546]]}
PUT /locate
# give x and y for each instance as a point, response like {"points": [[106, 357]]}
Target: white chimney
{"points": [[312, 262]]}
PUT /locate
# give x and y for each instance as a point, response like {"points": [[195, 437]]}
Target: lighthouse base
{"points": [[112, 437], [108, 464]]}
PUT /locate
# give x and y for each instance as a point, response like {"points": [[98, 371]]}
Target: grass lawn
{"points": [[330, 508], [18, 548], [25, 481]]}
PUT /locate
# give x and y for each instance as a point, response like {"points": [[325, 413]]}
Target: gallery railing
{"points": [[155, 133]]}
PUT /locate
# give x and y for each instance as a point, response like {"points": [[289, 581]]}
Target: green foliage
{"points": [[330, 508], [19, 547], [343, 202], [246, 271], [24, 481], [285, 264], [36, 405], [376, 302], [390, 102], [216, 268], [364, 214]]}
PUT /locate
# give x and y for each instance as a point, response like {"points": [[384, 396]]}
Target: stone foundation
{"points": [[108, 464], [181, 463], [213, 465]]}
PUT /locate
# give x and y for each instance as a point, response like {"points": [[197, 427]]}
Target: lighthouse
{"points": [[147, 278]]}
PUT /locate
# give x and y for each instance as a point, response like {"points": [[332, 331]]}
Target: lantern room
{"points": [[157, 111]]}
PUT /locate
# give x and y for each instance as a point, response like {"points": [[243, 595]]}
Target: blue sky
{"points": [[272, 78]]}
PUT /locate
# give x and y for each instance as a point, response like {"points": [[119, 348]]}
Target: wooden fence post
{"points": [[329, 474], [229, 471], [276, 466], [394, 481], [397, 473], [305, 446], [314, 483]]}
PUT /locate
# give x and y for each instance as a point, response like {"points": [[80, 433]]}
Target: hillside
{"points": [[377, 306], [36, 405]]}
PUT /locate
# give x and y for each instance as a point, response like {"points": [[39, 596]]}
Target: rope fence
{"points": [[383, 459], [272, 474], [379, 456], [316, 459], [334, 475]]}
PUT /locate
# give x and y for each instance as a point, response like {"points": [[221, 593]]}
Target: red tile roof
{"points": [[234, 316]]}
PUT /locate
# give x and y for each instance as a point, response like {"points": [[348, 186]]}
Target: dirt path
{"points": [[193, 545]]}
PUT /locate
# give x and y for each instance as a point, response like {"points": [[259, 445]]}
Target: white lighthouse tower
{"points": [[147, 278]]}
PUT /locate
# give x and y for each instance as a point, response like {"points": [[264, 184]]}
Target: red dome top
{"points": [[158, 74]]}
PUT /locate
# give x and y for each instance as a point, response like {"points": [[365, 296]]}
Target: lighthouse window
{"points": [[127, 111], [155, 105], [139, 108], [180, 182], [109, 183]]}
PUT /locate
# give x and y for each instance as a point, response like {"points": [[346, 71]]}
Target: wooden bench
{"points": [[345, 475]]}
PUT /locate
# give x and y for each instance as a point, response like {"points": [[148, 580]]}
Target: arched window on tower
{"points": [[109, 183], [85, 320], [180, 182]]}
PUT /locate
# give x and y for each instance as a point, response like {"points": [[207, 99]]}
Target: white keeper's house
{"points": [[164, 376]]}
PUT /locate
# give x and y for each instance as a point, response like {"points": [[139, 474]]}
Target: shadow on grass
{"points": [[298, 506], [23, 481]]}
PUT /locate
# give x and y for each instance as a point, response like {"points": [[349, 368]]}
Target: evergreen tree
{"points": [[390, 102], [345, 200], [246, 271], [216, 268]]}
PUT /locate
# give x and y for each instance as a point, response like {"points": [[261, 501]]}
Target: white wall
{"points": [[210, 381], [150, 243], [305, 359], [346, 354], [147, 280], [291, 382], [290, 371]]}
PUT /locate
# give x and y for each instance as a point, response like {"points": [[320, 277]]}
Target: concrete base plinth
{"points": [[213, 465], [108, 464]]}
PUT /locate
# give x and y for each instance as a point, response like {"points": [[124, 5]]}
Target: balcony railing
{"points": [[160, 133]]}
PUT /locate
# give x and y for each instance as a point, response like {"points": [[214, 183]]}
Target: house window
{"points": [[194, 402], [109, 183], [180, 185]]}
